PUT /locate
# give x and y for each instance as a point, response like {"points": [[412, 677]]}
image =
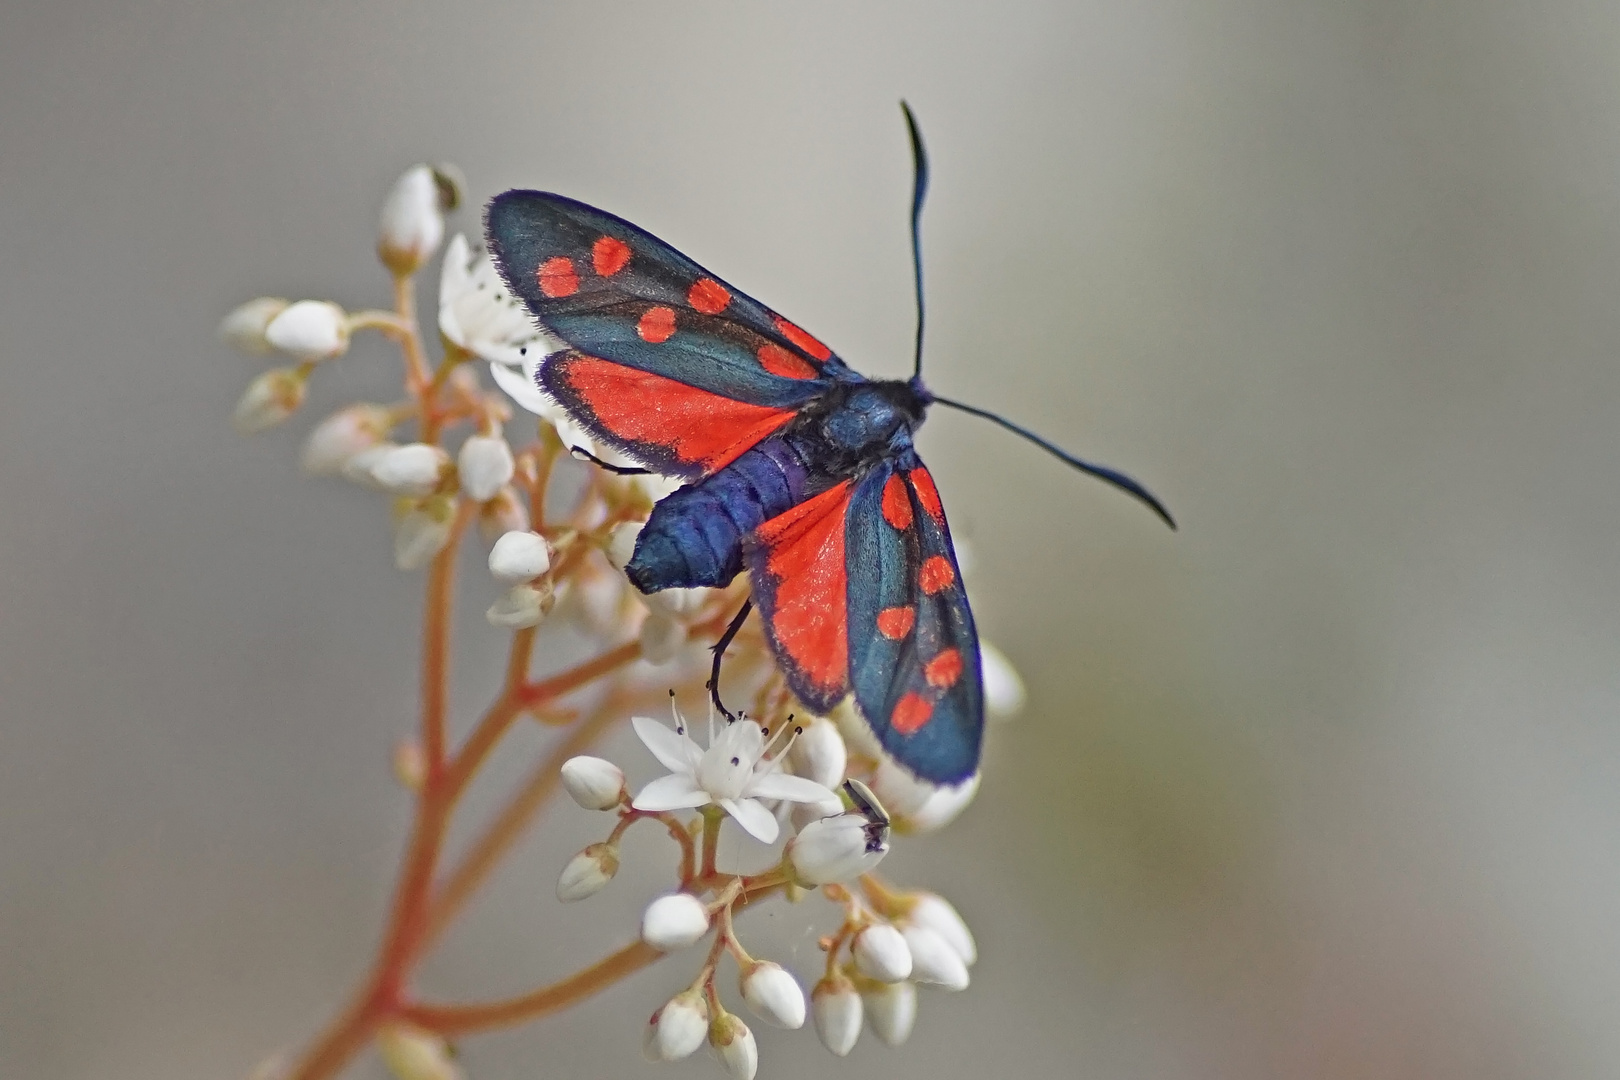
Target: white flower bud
{"points": [[892, 1011], [900, 792], [773, 994], [410, 765], [485, 465], [881, 953], [677, 603], [310, 330], [521, 606], [413, 470], [831, 850], [836, 1008], [413, 1054], [422, 532], [268, 400], [506, 512], [680, 1027], [661, 638], [413, 220], [818, 753], [941, 807], [1003, 688], [674, 921], [346, 433], [519, 556], [587, 872], [937, 914], [358, 468], [621, 545], [933, 960], [735, 1044], [595, 784], [244, 327]]}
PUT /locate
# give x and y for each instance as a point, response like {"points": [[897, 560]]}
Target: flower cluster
{"points": [[814, 789]]}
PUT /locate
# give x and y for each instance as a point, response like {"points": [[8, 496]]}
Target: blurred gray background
{"points": [[1325, 785]]}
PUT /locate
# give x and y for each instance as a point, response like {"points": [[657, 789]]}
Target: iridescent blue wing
{"points": [[666, 361], [913, 651]]}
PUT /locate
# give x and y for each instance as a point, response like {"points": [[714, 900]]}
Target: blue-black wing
{"points": [[666, 361]]}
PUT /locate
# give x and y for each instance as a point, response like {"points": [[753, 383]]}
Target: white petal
{"points": [[751, 814], [677, 791], [776, 785], [674, 752], [521, 389]]}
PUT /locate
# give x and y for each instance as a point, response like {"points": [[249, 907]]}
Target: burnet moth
{"points": [[797, 469]]}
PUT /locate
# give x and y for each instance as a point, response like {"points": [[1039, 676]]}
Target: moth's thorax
{"points": [[859, 421]]}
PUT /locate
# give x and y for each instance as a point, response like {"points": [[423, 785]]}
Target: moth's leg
{"points": [[622, 470], [720, 654]]}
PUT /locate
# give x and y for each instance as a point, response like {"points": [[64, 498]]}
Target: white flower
{"points": [[422, 532], [732, 773], [680, 1027], [244, 327], [478, 314], [346, 433], [773, 994], [674, 921], [587, 872], [1003, 689], [412, 223], [881, 953], [358, 468], [519, 556], [414, 469], [268, 400], [676, 603], [596, 784], [621, 544], [661, 638], [933, 960], [936, 913], [484, 465], [901, 792], [735, 1045], [819, 753], [413, 1054], [892, 1011], [833, 849], [941, 807], [521, 606], [837, 1011], [310, 330]]}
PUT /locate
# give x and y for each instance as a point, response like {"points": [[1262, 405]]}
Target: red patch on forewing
{"points": [[895, 623], [609, 255], [927, 493], [935, 574], [896, 503], [657, 325], [911, 712], [802, 339], [700, 428], [557, 277], [943, 670], [708, 296], [805, 558], [778, 361]]}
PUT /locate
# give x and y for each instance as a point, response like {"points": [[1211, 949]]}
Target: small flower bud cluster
{"points": [[521, 560]]}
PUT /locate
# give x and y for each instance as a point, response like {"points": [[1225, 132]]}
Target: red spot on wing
{"points": [[700, 428], [657, 325], [609, 255], [944, 669], [911, 712], [807, 610], [557, 277], [708, 296], [935, 574], [927, 493], [896, 503], [895, 623], [802, 339], [778, 361]]}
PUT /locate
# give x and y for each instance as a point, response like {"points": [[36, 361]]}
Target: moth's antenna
{"points": [[919, 190], [1118, 479]]}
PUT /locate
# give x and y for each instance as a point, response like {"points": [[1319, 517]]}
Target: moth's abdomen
{"points": [[694, 537]]}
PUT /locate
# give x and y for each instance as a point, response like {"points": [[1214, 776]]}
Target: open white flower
{"points": [[479, 313], [732, 773]]}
